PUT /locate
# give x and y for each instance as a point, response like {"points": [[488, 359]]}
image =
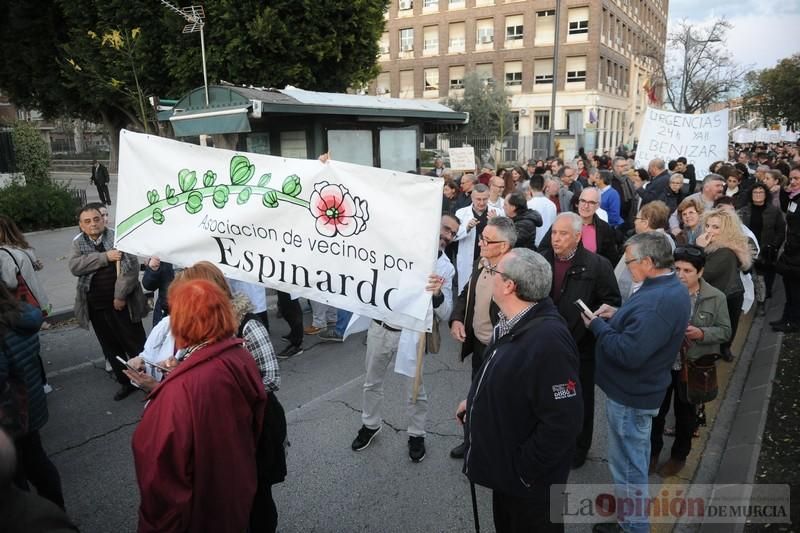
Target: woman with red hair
{"points": [[195, 448]]}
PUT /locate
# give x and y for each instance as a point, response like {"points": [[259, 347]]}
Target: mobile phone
{"points": [[160, 367], [124, 362], [583, 308]]}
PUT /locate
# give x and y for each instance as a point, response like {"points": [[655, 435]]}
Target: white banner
{"points": [[359, 238], [462, 158], [701, 139]]}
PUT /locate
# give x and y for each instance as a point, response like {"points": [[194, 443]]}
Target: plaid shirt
{"points": [[257, 342], [505, 325]]}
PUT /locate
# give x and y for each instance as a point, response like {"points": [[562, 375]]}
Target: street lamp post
{"points": [[195, 16], [551, 134], [691, 42]]}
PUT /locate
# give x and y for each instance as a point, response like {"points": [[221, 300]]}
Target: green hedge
{"points": [[39, 206]]}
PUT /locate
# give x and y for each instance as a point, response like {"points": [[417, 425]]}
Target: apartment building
{"points": [[430, 45]]}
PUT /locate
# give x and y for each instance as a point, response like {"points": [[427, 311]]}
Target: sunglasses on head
{"points": [[686, 250]]}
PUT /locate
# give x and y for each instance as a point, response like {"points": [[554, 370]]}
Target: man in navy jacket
{"points": [[525, 407], [635, 351]]}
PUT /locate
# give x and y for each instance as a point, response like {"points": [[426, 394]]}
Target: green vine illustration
{"points": [[242, 172]]}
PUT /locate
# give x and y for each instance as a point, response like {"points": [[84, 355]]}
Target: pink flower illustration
{"points": [[336, 211]]}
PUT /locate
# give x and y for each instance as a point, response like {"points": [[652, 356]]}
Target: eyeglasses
{"points": [[493, 270], [587, 202], [448, 231], [686, 250], [485, 241], [634, 260]]}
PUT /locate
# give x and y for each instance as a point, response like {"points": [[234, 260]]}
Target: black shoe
{"points": [[786, 327], [124, 391], [459, 451], [416, 448], [330, 335], [578, 460], [726, 355], [364, 438], [608, 527], [290, 351], [286, 337]]}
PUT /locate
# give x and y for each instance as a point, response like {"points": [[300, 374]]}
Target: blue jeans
{"points": [[342, 319], [628, 459]]}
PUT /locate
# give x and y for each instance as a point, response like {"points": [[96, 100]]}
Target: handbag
{"points": [[433, 340], [23, 292], [14, 409], [698, 379]]}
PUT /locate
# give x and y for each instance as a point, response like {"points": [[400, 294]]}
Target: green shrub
{"points": [[39, 205], [31, 153]]}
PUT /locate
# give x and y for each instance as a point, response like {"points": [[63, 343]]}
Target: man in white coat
{"points": [[542, 205], [472, 219], [384, 341]]}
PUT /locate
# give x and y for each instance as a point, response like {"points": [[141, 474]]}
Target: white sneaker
{"points": [[47, 388], [108, 367]]}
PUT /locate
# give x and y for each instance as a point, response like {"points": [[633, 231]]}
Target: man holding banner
{"points": [[384, 341]]}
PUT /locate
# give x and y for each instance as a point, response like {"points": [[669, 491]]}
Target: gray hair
{"points": [[506, 229], [592, 171], [524, 187], [530, 272], [658, 164], [712, 177], [574, 218], [762, 168], [652, 244], [480, 187], [470, 177]]}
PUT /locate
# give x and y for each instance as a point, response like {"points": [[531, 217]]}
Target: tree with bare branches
{"points": [[696, 70]]}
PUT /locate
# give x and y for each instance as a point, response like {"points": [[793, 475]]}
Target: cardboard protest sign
{"points": [[701, 139], [358, 238], [462, 158]]}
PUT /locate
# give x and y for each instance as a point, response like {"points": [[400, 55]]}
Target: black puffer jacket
{"points": [[526, 223]]}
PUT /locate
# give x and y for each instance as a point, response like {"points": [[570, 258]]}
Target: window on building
{"points": [[513, 73], [514, 28], [407, 40], [293, 144], [485, 32], [383, 84], [543, 71], [576, 69], [430, 40], [545, 30], [541, 120], [406, 84], [430, 4], [578, 20], [457, 37], [456, 4], [432, 79], [405, 5], [456, 77], [384, 44], [485, 72], [514, 124]]}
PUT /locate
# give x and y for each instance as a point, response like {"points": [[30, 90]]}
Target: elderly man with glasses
{"points": [[475, 314], [635, 351], [524, 409]]}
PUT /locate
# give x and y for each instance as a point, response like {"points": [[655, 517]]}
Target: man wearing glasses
{"points": [[524, 408], [635, 351], [475, 314], [473, 219]]}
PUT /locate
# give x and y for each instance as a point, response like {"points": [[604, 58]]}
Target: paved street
{"points": [[329, 487]]}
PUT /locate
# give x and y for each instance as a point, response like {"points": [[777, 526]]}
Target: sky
{"points": [[764, 31]]}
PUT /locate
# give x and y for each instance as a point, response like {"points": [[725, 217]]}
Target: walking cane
{"points": [[474, 507]]}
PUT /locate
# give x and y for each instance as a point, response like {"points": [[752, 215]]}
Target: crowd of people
{"points": [[553, 278]]}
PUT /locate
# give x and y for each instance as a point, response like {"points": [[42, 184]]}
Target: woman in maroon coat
{"points": [[195, 448]]}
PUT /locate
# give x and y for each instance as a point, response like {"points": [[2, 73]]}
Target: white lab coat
{"points": [[466, 244]]}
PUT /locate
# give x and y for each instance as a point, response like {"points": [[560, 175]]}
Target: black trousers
{"points": [[35, 467], [118, 336], [293, 314], [586, 377], [513, 514], [734, 311], [791, 310], [102, 192], [684, 423], [478, 353], [264, 515]]}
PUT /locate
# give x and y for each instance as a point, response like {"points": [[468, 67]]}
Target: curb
{"points": [[60, 315]]}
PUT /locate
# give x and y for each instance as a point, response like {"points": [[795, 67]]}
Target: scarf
{"points": [[130, 263]]}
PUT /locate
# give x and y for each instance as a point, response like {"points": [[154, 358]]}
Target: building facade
{"points": [[428, 46]]}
